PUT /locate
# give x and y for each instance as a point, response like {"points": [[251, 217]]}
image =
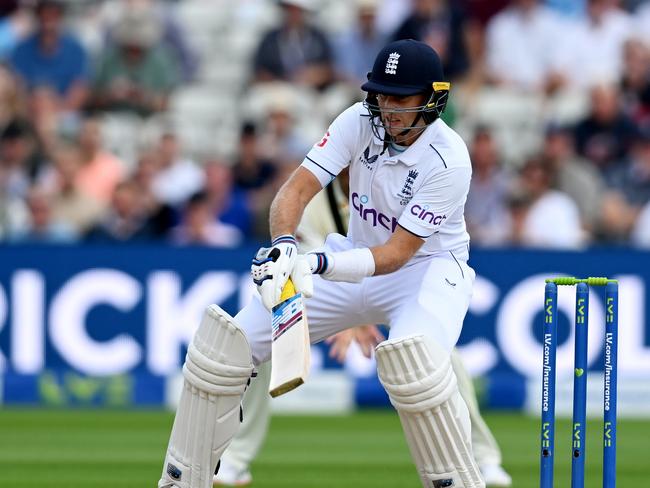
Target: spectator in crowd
{"points": [[177, 177], [635, 82], [522, 47], [199, 226], [355, 49], [52, 61], [13, 214], [42, 226], [486, 210], [98, 27], [439, 23], [255, 174], [162, 217], [604, 136], [49, 123], [477, 14], [15, 25], [126, 219], [252, 170], [100, 171], [592, 49], [543, 217], [11, 103], [295, 51], [281, 139], [229, 204], [15, 153], [145, 173], [20, 159], [632, 178], [625, 206], [574, 176], [69, 204], [135, 73]]}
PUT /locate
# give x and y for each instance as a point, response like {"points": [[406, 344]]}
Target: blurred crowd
{"points": [[142, 120]]}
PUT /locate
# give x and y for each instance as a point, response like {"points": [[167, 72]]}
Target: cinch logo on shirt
{"points": [[371, 215], [422, 213]]}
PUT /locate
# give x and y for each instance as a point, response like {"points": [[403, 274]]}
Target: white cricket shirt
{"points": [[422, 189]]}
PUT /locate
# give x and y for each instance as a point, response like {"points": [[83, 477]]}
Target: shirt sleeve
{"points": [[335, 150], [435, 201]]}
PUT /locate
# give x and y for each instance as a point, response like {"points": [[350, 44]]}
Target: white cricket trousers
{"points": [[428, 297]]}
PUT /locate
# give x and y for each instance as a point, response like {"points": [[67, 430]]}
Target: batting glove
{"points": [[272, 267]]}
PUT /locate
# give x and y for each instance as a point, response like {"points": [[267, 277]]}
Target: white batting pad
{"points": [[419, 380], [216, 371]]}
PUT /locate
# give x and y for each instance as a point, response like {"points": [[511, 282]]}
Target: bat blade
{"points": [[290, 348]]}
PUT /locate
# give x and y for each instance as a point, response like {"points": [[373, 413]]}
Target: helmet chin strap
{"points": [[388, 137]]}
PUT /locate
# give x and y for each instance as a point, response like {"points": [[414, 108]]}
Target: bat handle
{"points": [[288, 291]]}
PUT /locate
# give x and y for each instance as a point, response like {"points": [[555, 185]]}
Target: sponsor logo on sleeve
{"points": [[324, 140], [422, 212]]}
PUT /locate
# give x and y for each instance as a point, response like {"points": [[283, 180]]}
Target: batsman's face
{"points": [[399, 113]]}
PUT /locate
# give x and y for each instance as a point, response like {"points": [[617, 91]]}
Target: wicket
{"points": [[579, 380]]}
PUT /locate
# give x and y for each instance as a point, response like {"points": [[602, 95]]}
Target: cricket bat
{"points": [[290, 348]]}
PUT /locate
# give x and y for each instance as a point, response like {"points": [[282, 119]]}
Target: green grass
{"points": [[116, 449]]}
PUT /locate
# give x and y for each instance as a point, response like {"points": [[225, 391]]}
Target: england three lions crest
{"points": [[391, 64], [406, 193]]}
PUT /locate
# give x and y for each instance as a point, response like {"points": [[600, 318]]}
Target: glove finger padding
{"points": [[263, 270], [301, 276], [271, 269]]}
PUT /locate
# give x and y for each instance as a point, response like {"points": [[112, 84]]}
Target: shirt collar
{"points": [[414, 152]]}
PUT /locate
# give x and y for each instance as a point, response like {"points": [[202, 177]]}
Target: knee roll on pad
{"points": [[418, 378], [217, 368]]}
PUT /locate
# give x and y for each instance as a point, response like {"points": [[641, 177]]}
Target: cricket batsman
{"points": [[403, 263], [328, 212]]}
